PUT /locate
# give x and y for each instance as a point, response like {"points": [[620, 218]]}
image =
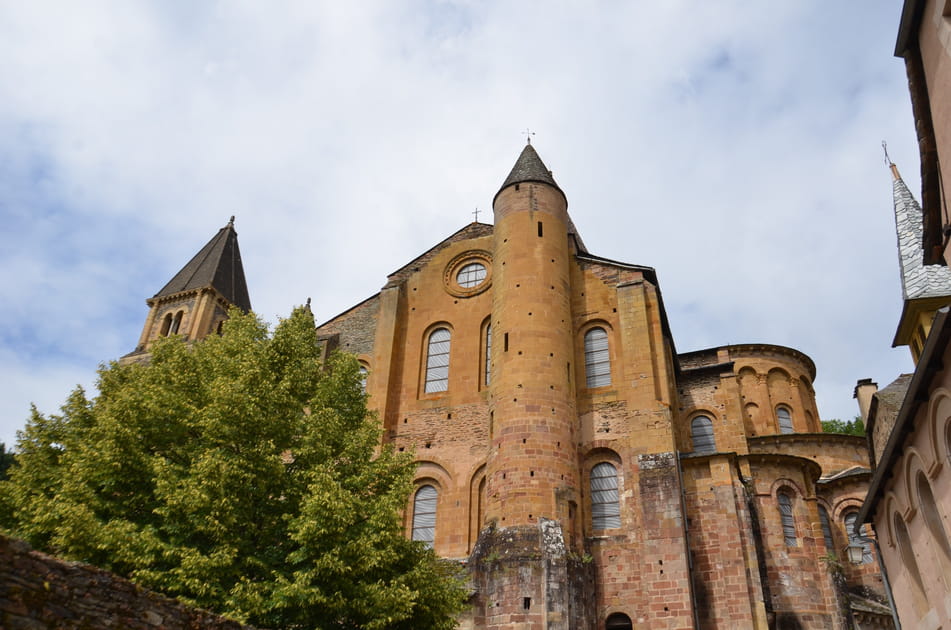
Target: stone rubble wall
{"points": [[40, 592]]}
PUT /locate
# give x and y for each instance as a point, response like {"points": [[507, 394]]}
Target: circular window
{"points": [[471, 275]]}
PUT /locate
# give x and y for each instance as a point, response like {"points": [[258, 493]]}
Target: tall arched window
{"points": [[424, 515], [785, 419], [605, 505], [856, 539], [488, 353], [786, 516], [929, 508], [437, 361], [826, 529], [701, 433], [597, 360], [618, 621]]}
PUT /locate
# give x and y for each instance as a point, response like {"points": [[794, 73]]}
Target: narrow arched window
{"points": [[597, 360], [857, 538], [605, 505], [424, 515], [785, 419], [701, 433], [488, 353], [437, 361], [786, 516], [176, 323], [826, 530], [364, 373], [929, 508], [618, 621], [166, 325]]}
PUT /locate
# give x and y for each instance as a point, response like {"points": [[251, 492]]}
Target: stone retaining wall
{"points": [[39, 592]]}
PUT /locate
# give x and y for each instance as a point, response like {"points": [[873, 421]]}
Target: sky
{"points": [[734, 146]]}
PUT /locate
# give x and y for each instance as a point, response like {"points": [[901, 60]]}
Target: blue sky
{"points": [[733, 145]]}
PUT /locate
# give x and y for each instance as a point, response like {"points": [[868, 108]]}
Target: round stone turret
{"points": [[532, 466]]}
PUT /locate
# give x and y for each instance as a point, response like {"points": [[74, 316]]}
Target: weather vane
{"points": [[528, 135], [888, 160], [476, 213]]}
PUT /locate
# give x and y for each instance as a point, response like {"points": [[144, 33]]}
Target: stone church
{"points": [[585, 473]]}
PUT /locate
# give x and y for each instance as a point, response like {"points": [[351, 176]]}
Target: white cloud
{"points": [[733, 147]]}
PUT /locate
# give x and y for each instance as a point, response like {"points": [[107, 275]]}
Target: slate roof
{"points": [[529, 168], [217, 265], [890, 398], [918, 280]]}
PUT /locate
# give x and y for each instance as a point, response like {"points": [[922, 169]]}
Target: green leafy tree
{"points": [[238, 474], [853, 427], [6, 460]]}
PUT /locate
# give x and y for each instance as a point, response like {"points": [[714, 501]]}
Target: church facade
{"points": [[585, 473]]}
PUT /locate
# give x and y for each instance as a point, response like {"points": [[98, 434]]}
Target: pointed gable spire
{"points": [[529, 168], [917, 279], [216, 265]]}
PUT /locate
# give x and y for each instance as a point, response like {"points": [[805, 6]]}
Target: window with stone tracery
{"points": [[597, 359], [424, 515], [786, 516], [605, 503], [701, 434], [437, 361], [785, 419], [826, 530]]}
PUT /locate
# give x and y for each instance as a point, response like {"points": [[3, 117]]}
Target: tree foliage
{"points": [[237, 474], [6, 460], [853, 427]]}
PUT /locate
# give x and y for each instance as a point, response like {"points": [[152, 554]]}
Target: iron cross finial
{"points": [[476, 213], [888, 160], [528, 135]]}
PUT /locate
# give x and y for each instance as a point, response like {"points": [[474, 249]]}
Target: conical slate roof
{"points": [[529, 168], [217, 265], [918, 280]]}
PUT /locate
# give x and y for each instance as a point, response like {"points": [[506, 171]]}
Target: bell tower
{"points": [[525, 555], [925, 288], [196, 300]]}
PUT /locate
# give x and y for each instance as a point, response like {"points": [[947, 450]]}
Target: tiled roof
{"points": [[217, 265], [918, 280]]}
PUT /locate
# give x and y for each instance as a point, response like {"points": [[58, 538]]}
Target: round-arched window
{"points": [[471, 275], [701, 433], [618, 621], [424, 515]]}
